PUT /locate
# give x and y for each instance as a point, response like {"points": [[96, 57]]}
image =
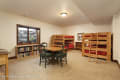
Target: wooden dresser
{"points": [[4, 61]]}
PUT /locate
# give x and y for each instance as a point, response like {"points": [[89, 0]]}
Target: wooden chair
{"points": [[45, 44], [62, 55], [44, 55]]}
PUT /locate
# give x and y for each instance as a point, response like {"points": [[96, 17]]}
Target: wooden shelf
{"points": [[87, 48], [93, 49], [86, 54], [102, 42], [58, 41], [24, 49], [93, 55], [100, 56], [100, 49], [98, 45], [68, 39], [102, 38], [62, 39]]}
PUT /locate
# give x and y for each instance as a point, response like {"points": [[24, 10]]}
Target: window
{"points": [[28, 35], [22, 35], [32, 35], [79, 36]]}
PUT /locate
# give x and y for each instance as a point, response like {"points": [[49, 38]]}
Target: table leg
{"points": [[6, 69]]}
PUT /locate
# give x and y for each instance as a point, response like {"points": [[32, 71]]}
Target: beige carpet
{"points": [[78, 68]]}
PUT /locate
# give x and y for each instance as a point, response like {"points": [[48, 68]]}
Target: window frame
{"points": [[28, 27]]}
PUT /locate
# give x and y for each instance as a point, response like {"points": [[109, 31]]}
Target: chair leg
{"points": [[57, 60], [61, 62], [66, 59], [45, 61], [40, 60]]}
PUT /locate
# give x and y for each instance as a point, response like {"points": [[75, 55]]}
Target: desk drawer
{"points": [[2, 60]]}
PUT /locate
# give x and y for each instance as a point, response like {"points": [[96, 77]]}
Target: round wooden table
{"points": [[53, 49]]}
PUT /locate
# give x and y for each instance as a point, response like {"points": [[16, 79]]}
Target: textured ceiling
{"points": [[81, 11]]}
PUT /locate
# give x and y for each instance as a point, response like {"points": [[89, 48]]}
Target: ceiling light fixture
{"points": [[64, 13]]}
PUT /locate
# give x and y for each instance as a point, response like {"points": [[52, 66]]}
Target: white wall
{"points": [[116, 36], [8, 23], [8, 30], [87, 28]]}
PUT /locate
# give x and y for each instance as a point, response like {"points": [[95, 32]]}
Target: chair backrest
{"points": [[40, 48], [44, 44], [63, 50]]}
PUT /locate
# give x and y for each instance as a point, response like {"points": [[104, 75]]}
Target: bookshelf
{"points": [[27, 50], [97, 45], [60, 40]]}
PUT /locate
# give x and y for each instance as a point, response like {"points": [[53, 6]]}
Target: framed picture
{"points": [[79, 36]]}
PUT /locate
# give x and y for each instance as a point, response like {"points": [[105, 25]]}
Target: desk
{"points": [[4, 61], [53, 49]]}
